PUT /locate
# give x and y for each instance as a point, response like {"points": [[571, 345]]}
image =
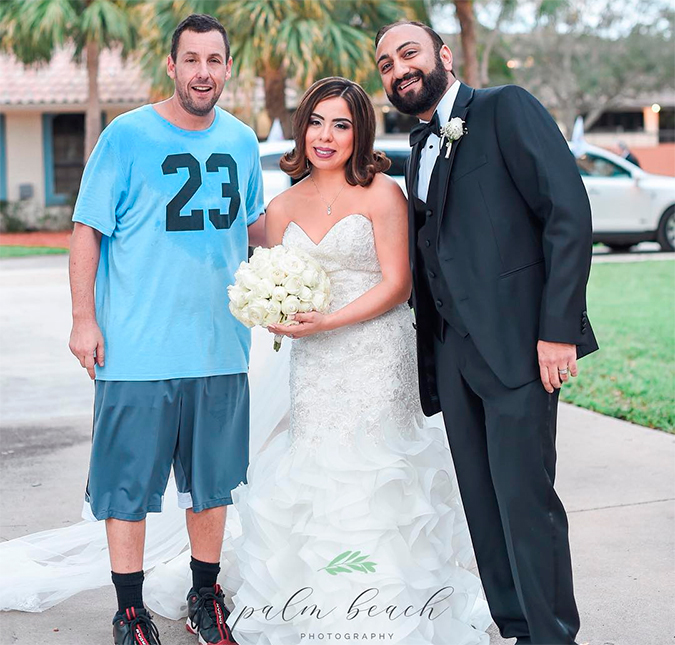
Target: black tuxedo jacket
{"points": [[514, 239]]}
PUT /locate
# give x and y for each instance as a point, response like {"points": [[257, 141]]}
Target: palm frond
{"points": [[109, 22], [32, 29]]}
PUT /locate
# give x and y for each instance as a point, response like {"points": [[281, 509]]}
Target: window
{"points": [[593, 166], [619, 122], [63, 139], [68, 142], [667, 125]]}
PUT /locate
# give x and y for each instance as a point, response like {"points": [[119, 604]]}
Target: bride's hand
{"points": [[304, 325]]}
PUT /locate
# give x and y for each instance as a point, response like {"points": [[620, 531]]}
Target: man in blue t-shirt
{"points": [[170, 200]]}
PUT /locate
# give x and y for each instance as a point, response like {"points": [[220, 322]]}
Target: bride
{"points": [[351, 524], [351, 520]]}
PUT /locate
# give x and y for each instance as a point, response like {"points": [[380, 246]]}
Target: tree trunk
{"points": [[467, 23], [490, 43], [92, 124], [485, 58], [568, 115], [275, 97]]}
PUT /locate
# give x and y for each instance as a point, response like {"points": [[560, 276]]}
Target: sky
{"points": [[633, 11]]}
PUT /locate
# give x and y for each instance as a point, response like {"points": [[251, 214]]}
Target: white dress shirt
{"points": [[431, 147]]}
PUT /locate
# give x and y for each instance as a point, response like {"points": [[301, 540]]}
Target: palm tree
{"points": [[33, 29], [278, 40]]}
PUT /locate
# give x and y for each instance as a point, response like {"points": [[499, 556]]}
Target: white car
{"points": [[628, 204]]}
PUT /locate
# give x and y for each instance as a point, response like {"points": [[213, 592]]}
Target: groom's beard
{"points": [[434, 85]]}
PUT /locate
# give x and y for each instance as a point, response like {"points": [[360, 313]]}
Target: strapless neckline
{"points": [[330, 230]]}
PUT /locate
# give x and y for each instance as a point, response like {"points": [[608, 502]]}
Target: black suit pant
{"points": [[503, 447]]}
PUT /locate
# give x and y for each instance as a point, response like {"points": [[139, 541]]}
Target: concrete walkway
{"points": [[644, 252], [615, 478]]}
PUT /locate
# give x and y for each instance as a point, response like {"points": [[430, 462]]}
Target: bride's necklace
{"points": [[329, 205]]}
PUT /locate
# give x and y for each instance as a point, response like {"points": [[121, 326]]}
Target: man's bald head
{"points": [[435, 38]]}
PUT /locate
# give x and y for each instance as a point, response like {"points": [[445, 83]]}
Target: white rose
{"points": [[276, 253], [266, 271], [273, 307], [305, 294], [256, 311], [241, 315], [291, 305], [279, 294], [277, 275], [454, 129], [272, 313], [292, 264], [247, 278], [261, 266], [237, 295], [305, 307], [271, 319], [319, 301], [264, 288], [261, 253], [310, 277], [293, 284]]}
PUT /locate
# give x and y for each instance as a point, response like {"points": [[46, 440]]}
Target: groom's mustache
{"points": [[408, 77]]}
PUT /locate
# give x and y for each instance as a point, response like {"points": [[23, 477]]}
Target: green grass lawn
{"points": [[632, 309], [23, 251]]}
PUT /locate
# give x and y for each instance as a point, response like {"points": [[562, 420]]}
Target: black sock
{"points": [[204, 574], [129, 589]]}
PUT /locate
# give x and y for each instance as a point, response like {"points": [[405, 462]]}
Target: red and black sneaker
{"points": [[207, 615], [135, 627]]}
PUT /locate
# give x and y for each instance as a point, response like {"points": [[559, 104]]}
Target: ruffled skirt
{"points": [[362, 539]]}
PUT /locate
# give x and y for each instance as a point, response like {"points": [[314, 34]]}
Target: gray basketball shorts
{"points": [[142, 428]]}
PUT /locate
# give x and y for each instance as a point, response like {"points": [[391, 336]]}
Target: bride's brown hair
{"points": [[365, 162]]}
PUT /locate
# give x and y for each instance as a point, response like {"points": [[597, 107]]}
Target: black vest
{"points": [[430, 283]]}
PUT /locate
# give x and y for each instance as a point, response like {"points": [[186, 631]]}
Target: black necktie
{"points": [[422, 131]]}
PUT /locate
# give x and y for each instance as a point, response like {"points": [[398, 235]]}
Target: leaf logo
{"points": [[348, 562]]}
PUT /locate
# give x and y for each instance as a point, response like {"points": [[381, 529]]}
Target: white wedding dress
{"points": [[359, 469]]}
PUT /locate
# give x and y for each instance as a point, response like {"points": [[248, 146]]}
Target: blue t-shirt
{"points": [[173, 206]]}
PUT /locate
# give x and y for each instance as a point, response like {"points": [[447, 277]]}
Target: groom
{"points": [[500, 249]]}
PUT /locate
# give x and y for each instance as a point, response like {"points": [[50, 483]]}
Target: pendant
{"points": [[330, 210]]}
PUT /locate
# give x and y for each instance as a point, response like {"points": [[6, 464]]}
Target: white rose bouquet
{"points": [[277, 283]]}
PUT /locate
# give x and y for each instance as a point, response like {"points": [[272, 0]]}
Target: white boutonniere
{"points": [[453, 130]]}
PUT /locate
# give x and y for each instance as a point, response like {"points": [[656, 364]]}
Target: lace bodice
{"points": [[346, 253], [349, 380]]}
